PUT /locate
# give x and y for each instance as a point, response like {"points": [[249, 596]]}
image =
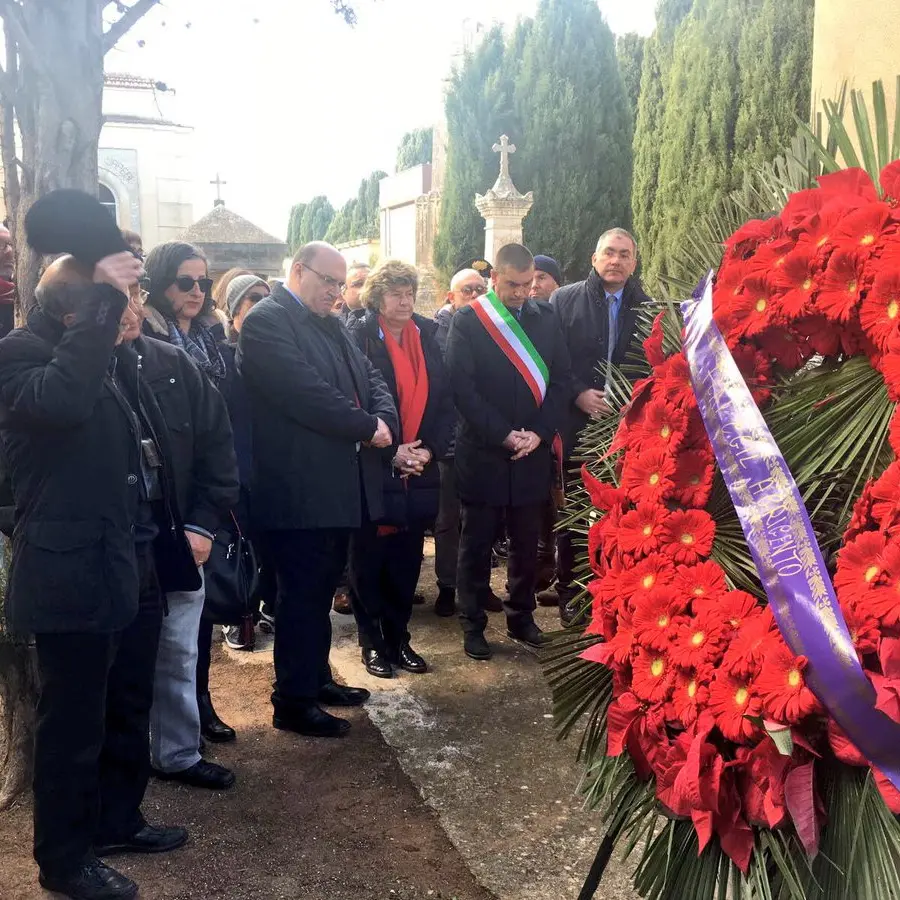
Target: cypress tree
{"points": [[293, 231], [630, 54], [478, 108], [415, 148], [575, 133], [738, 75], [316, 218]]}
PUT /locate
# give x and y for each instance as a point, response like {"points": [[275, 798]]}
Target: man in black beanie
{"points": [[547, 277], [94, 510]]}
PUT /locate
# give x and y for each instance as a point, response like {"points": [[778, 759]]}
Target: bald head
{"points": [[318, 273], [60, 291], [465, 286]]}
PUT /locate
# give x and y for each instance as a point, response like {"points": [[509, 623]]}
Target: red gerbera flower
{"points": [[690, 694], [770, 257], [654, 616], [744, 655], [859, 566], [696, 642], [797, 278], [640, 528], [663, 426], [889, 366], [890, 180], [653, 571], [733, 608], [699, 582], [886, 493], [801, 208], [782, 686], [617, 651], [753, 233], [883, 601], [879, 313], [647, 475], [823, 336], [852, 186], [840, 286], [693, 478], [894, 430], [652, 675], [688, 534], [673, 382], [731, 701], [755, 309], [818, 231], [653, 345], [861, 229], [864, 630], [787, 348]]}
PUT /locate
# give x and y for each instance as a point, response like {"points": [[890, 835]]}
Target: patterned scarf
{"points": [[200, 346]]}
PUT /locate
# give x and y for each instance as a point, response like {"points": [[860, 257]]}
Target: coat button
{"points": [[171, 381], [132, 479]]}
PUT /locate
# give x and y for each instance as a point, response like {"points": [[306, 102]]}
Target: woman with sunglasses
{"points": [[178, 310]]}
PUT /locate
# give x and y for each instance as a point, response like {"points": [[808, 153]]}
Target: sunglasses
{"points": [[255, 298], [185, 284], [473, 290]]}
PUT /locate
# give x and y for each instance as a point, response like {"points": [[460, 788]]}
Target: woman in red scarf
{"points": [[385, 556]]}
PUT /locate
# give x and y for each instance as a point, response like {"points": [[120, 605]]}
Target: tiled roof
{"points": [[222, 226]]}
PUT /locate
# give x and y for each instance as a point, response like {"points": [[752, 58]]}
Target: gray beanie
{"points": [[237, 289]]}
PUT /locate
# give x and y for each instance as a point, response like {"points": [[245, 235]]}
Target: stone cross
{"points": [[218, 183], [504, 148]]}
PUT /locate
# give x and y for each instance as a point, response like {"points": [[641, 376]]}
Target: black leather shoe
{"points": [[334, 694], [311, 721], [201, 774], [376, 664], [445, 605], [528, 634], [148, 840], [476, 646], [211, 726], [491, 602], [573, 613], [547, 597], [418, 599], [93, 881], [410, 661]]}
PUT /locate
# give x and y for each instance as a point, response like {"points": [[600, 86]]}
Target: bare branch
{"points": [[129, 18], [346, 10], [11, 13]]}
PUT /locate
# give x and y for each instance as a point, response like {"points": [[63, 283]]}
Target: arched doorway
{"points": [[108, 201]]}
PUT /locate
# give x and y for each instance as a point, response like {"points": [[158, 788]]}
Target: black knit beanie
{"points": [[161, 265]]}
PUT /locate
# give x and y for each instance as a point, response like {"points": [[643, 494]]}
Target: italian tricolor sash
{"points": [[510, 337]]}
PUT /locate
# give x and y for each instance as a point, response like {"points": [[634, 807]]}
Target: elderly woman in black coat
{"points": [[385, 556]]}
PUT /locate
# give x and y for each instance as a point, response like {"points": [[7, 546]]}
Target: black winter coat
{"points": [[314, 400], [235, 394], [201, 448], [584, 317], [412, 500], [71, 443], [493, 399]]}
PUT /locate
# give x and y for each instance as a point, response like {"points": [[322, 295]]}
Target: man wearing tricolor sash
{"points": [[509, 369]]}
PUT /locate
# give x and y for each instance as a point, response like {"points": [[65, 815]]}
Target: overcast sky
{"points": [[287, 101]]}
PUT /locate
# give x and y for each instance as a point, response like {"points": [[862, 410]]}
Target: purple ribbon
{"points": [[781, 540]]}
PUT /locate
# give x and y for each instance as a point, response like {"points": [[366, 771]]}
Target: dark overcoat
{"points": [[314, 401], [492, 399], [412, 500], [584, 316]]}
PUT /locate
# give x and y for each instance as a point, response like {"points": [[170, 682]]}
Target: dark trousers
{"points": [[308, 565], [547, 545], [479, 529], [446, 528], [566, 587], [92, 736], [384, 571], [204, 656]]}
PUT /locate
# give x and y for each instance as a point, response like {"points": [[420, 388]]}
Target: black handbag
{"points": [[232, 577]]}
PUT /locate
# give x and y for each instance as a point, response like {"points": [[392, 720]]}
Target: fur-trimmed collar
{"points": [[155, 321]]}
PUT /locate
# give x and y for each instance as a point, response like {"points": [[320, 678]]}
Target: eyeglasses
{"points": [[329, 281], [185, 284], [357, 284], [255, 298], [473, 290]]}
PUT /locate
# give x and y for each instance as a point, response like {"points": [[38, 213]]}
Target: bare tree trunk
{"points": [[59, 109], [55, 94]]}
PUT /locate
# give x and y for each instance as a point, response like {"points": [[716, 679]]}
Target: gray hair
{"points": [[616, 232]]}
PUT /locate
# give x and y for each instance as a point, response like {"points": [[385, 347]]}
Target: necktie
{"points": [[612, 303]]}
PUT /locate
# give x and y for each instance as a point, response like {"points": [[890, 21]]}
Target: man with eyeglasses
{"points": [[350, 302], [321, 416], [598, 317], [465, 286]]}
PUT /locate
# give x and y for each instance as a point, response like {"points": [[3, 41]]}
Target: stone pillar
{"points": [[502, 207]]}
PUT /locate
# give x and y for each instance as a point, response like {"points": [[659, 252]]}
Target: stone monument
{"points": [[503, 207]]}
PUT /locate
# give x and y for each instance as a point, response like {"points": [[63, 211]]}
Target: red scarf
{"points": [[408, 361]]}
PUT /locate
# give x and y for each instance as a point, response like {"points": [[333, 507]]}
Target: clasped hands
{"points": [[520, 443], [411, 459]]}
